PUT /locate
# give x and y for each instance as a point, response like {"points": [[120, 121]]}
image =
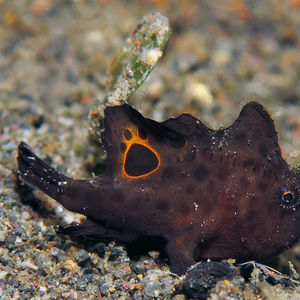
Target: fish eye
{"points": [[288, 197]]}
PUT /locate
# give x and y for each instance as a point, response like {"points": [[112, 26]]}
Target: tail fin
{"points": [[39, 174]]}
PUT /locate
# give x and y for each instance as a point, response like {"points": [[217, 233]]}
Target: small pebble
{"points": [[10, 241], [71, 266], [81, 256], [200, 92], [2, 235], [202, 277], [99, 248]]}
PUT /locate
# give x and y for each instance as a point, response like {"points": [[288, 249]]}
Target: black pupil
{"points": [[288, 197]]}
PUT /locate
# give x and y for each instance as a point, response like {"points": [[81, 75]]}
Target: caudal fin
{"points": [[39, 174]]}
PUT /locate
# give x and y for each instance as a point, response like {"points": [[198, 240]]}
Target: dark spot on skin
{"points": [[169, 173], [247, 163], [127, 134], [205, 152], [200, 173], [138, 202], [250, 164], [263, 150], [117, 196], [210, 185], [244, 182], [262, 187], [221, 158], [162, 205], [256, 167], [190, 189], [123, 147], [184, 209], [267, 173], [142, 133], [142, 200], [179, 158], [140, 160], [208, 205], [241, 138], [148, 198], [177, 143], [191, 155], [251, 219], [222, 173]]}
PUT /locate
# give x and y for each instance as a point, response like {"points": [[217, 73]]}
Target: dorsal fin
{"points": [[255, 128], [254, 118]]}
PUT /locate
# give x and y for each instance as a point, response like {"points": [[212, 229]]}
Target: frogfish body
{"points": [[208, 193]]}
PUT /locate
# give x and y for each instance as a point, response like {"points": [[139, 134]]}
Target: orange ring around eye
{"points": [[135, 139]]}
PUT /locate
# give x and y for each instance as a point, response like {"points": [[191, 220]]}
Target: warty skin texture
{"points": [[208, 193]]}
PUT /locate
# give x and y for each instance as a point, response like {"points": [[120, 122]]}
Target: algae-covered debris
{"points": [[132, 64]]}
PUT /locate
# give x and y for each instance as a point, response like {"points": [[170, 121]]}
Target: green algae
{"points": [[132, 64]]}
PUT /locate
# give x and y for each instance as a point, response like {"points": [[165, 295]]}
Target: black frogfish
{"points": [[207, 193]]}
